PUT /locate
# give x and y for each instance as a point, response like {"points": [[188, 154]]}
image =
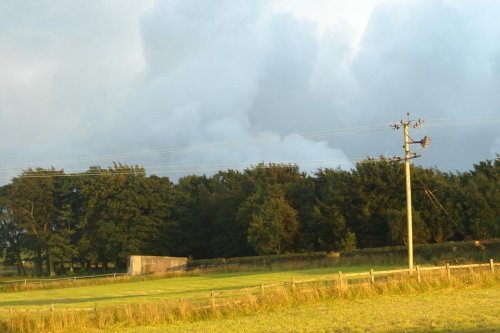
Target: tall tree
{"points": [[273, 223], [482, 197], [115, 220], [230, 189], [333, 209], [165, 238], [194, 215], [379, 186], [11, 233], [32, 199]]}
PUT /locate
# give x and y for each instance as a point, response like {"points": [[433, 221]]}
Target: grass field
{"points": [[451, 310], [161, 289], [468, 301]]}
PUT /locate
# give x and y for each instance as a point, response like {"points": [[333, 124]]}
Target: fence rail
{"points": [[332, 277], [339, 278], [70, 278]]}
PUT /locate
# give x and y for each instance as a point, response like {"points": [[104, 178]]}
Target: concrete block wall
{"points": [[154, 264]]}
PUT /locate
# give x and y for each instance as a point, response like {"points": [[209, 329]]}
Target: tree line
{"points": [[99, 217]]}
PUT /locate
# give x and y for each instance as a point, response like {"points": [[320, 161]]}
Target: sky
{"points": [[192, 86]]}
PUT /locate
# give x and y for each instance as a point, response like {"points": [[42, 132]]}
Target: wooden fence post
{"points": [[419, 278], [339, 284], [292, 284], [342, 280], [212, 300], [492, 266], [448, 270], [372, 277], [262, 289], [25, 282]]}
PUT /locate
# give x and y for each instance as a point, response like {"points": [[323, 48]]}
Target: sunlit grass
{"points": [[185, 314], [450, 310], [158, 289]]}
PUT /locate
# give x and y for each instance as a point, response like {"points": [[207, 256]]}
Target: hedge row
{"points": [[424, 253]]}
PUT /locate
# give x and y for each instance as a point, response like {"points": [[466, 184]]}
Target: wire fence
{"points": [[62, 279], [231, 267], [339, 279], [232, 295]]}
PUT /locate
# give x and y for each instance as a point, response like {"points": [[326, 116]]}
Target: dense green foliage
{"points": [[101, 216]]}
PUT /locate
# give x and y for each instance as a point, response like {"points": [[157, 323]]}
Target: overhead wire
{"points": [[462, 121], [215, 167], [178, 149], [124, 170]]}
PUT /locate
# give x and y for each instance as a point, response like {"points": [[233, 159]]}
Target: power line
{"points": [[194, 168], [179, 149], [463, 121], [259, 140]]}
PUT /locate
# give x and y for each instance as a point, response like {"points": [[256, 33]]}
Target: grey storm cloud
{"points": [[194, 85], [434, 59]]}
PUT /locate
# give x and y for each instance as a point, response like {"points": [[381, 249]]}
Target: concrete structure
{"points": [[154, 264]]}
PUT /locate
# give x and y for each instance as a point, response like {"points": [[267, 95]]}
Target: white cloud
{"points": [[85, 79]]}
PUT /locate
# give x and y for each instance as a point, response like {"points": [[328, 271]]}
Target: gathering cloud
{"points": [[233, 83]]}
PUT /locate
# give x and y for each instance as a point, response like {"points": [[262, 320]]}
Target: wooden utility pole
{"points": [[408, 156], [408, 195]]}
